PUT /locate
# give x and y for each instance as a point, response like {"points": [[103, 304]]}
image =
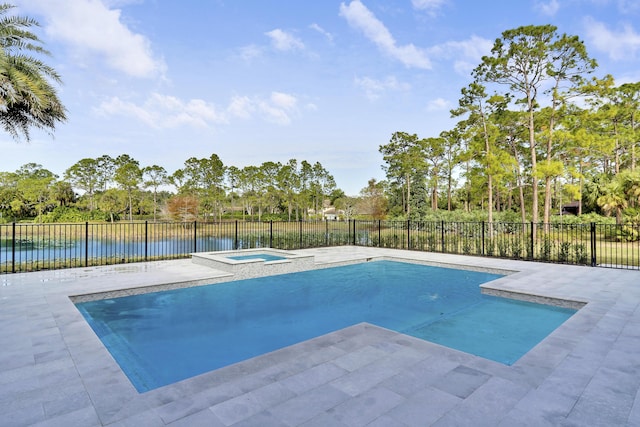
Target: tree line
{"points": [[112, 188], [536, 131]]}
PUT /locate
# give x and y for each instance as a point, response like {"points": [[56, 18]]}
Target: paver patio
{"points": [[55, 371]]}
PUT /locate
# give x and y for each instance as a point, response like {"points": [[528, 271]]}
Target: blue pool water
{"points": [[163, 337], [265, 257]]}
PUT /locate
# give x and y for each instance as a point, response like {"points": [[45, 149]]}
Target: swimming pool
{"points": [[163, 337], [262, 256]]}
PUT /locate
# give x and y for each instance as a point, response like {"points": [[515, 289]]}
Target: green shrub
{"points": [[71, 215], [503, 248], [516, 249], [580, 251], [546, 248], [491, 246], [563, 252], [431, 242]]}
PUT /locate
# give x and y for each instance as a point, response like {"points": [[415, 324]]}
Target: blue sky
{"points": [[254, 80]]}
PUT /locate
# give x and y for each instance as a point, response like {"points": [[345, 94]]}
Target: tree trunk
{"points": [[408, 196], [534, 169]]}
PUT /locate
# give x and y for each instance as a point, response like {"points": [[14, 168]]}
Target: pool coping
{"points": [[485, 288], [231, 277]]}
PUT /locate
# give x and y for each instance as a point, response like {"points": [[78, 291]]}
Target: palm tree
{"points": [[28, 98], [613, 200]]}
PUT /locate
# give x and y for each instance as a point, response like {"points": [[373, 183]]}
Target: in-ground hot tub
{"points": [[247, 263]]}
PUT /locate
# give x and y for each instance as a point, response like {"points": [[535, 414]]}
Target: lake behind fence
{"points": [[33, 247]]}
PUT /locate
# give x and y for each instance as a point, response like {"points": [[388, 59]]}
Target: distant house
{"points": [[330, 214], [572, 208]]}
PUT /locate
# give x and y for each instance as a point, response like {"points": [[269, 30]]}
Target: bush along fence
{"points": [[33, 247]]}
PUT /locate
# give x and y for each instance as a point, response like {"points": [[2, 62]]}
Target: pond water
{"points": [[27, 251]]}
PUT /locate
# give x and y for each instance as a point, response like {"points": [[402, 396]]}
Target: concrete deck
{"points": [[54, 371]]}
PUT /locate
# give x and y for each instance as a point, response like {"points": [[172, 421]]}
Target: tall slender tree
{"points": [[153, 177], [525, 59]]}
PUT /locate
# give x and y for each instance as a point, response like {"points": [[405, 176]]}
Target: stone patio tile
{"points": [[424, 407], [366, 407], [263, 419], [303, 408], [272, 394], [11, 359], [487, 405], [360, 357], [247, 405], [182, 407], [323, 420], [145, 419], [312, 378], [544, 404], [237, 409], [634, 414], [608, 398], [519, 418], [85, 417], [461, 381], [26, 415], [67, 402], [18, 389], [373, 336], [418, 377], [363, 379], [382, 421]]}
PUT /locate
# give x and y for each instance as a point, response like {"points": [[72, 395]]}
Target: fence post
{"points": [[271, 233], [379, 234], [146, 240], [300, 233], [531, 242], [195, 236], [442, 235], [326, 232], [86, 244], [408, 234], [354, 232], [235, 242], [483, 238], [593, 245], [13, 247]]}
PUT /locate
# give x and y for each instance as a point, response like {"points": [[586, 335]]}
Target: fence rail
{"points": [[32, 247]]}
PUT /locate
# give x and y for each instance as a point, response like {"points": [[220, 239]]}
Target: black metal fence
{"points": [[32, 247]]}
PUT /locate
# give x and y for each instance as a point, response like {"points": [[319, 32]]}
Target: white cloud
{"points": [[438, 104], [466, 54], [322, 31], [429, 5], [374, 89], [620, 45], [168, 112], [116, 106], [283, 100], [249, 52], [279, 108], [549, 8], [164, 112], [361, 18], [91, 28], [241, 106], [284, 41], [629, 6]]}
